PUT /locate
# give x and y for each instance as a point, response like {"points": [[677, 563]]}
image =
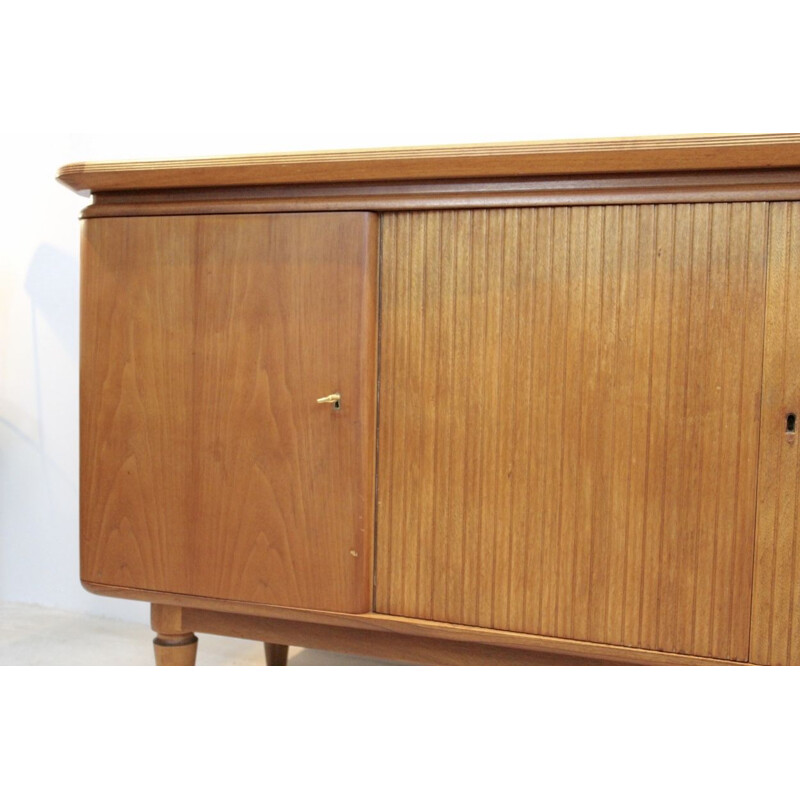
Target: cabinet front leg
{"points": [[175, 651], [277, 654], [174, 646]]}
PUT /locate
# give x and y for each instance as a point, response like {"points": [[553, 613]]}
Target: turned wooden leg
{"points": [[174, 646], [276, 654], [175, 651]]}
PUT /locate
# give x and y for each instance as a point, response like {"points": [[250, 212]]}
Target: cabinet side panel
{"points": [[775, 635], [569, 421], [137, 279]]}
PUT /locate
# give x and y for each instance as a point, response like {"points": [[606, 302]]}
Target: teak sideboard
{"points": [[500, 404]]}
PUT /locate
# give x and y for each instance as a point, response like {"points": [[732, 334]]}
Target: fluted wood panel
{"points": [[569, 421], [775, 636]]}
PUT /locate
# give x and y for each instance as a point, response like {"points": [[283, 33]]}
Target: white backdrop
{"points": [[171, 81]]}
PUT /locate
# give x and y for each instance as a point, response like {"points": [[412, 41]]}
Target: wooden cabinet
{"points": [[566, 422]]}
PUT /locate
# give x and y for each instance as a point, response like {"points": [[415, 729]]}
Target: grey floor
{"points": [[36, 636]]}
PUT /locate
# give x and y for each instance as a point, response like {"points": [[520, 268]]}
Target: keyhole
{"points": [[337, 405], [791, 422]]}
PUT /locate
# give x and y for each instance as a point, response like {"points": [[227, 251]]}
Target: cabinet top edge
{"points": [[696, 152]]}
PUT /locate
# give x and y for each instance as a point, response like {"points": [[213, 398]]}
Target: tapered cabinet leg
{"points": [[277, 654], [175, 651], [174, 646]]}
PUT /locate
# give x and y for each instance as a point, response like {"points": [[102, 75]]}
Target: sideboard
{"points": [[524, 403]]}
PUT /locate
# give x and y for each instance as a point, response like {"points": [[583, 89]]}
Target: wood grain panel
{"points": [[569, 421], [208, 468], [137, 318], [775, 635]]}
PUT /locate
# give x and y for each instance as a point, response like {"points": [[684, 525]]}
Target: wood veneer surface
{"points": [[776, 594], [417, 628], [569, 421], [515, 159], [207, 467], [754, 185]]}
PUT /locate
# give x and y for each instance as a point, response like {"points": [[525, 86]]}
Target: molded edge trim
{"points": [[513, 159], [696, 187]]}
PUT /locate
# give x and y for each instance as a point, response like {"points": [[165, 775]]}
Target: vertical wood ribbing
{"points": [[775, 634], [569, 421]]}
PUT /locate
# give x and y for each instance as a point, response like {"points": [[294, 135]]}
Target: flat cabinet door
{"points": [[569, 421], [207, 465]]}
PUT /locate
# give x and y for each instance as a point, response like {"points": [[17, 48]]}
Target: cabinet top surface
{"points": [[703, 152]]}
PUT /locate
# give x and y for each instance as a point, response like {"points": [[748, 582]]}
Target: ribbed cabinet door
{"points": [[775, 635], [569, 421], [207, 466]]}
